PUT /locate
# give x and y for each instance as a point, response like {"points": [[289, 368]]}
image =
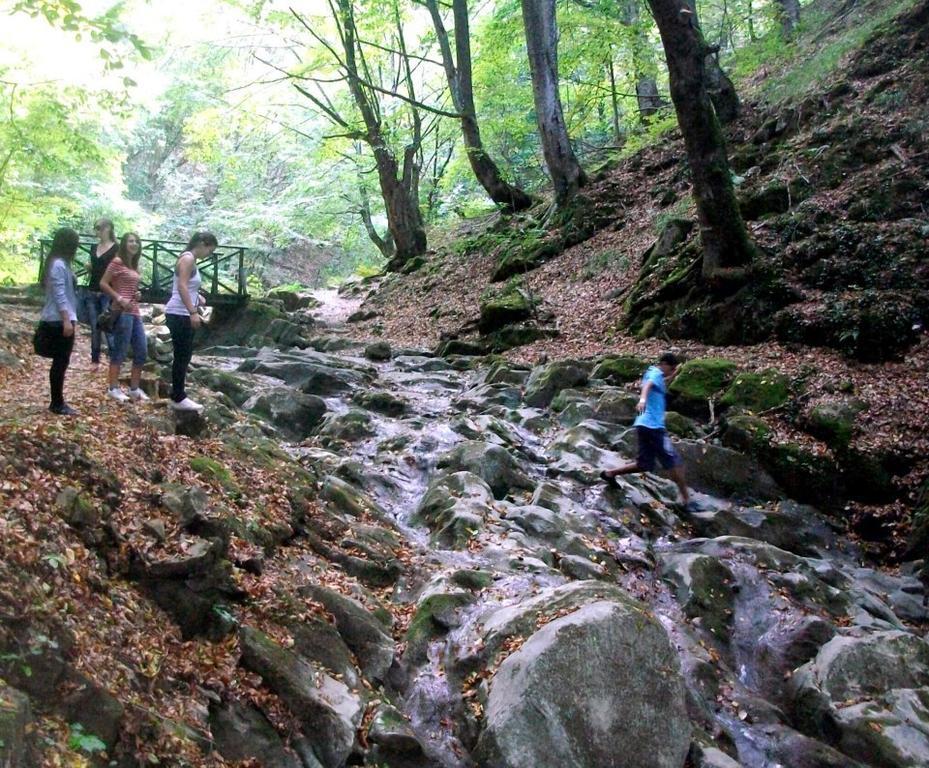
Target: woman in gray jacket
{"points": [[59, 315]]}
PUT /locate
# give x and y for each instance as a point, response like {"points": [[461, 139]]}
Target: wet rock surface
{"points": [[497, 605]]}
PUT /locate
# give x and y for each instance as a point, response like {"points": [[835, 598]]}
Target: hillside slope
{"points": [[833, 173]]}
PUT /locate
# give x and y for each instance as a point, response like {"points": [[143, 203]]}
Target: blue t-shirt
{"points": [[653, 415]]}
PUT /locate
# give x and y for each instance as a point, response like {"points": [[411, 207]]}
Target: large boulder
{"points": [[362, 631], [294, 413], [511, 306], [312, 372], [292, 300], [492, 463], [329, 711], [704, 586], [725, 472], [619, 369], [759, 391], [242, 732], [598, 687], [547, 381], [699, 381], [868, 696], [454, 508]]}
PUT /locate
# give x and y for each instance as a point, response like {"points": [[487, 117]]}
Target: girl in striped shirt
{"points": [[121, 283]]}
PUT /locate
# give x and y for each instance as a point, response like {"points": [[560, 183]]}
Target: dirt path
{"points": [[334, 308]]}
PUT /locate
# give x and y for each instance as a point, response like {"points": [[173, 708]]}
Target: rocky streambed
{"points": [[499, 606]]}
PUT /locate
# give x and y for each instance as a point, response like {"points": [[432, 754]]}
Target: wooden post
{"points": [[155, 287]]}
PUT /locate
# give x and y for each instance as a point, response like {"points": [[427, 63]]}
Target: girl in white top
{"points": [[181, 314]]}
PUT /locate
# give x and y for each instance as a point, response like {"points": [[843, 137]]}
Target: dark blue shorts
{"points": [[655, 445]]}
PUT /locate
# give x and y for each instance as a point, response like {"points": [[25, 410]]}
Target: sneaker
{"points": [[609, 479], [62, 410], [138, 394], [118, 395], [186, 405]]}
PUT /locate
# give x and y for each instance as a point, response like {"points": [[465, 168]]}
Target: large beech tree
{"points": [[542, 45], [457, 67], [398, 177], [726, 245]]}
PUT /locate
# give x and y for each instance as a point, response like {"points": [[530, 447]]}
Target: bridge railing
{"points": [[223, 271]]}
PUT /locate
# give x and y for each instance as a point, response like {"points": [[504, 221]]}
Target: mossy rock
{"points": [[509, 307], [210, 469], [699, 380], [773, 198], [834, 422], [806, 476], [620, 369], [434, 617], [757, 392], [378, 351], [519, 335], [460, 347], [868, 476], [355, 424], [745, 432], [474, 580], [380, 402], [223, 382], [680, 425], [521, 258], [566, 397]]}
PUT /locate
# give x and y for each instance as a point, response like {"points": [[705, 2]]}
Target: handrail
{"points": [[221, 269]]}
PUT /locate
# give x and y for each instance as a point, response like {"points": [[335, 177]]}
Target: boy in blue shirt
{"points": [[654, 443]]}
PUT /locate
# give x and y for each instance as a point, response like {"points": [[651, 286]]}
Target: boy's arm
{"points": [[646, 388]]}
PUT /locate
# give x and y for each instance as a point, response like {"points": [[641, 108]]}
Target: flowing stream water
{"points": [[779, 566]]}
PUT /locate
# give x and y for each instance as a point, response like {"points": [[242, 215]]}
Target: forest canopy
{"points": [[336, 134]]}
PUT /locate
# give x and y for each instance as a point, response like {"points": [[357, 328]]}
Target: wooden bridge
{"points": [[223, 271]]}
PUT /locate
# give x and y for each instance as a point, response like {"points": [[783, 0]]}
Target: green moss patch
{"points": [[620, 369], [212, 470], [509, 307], [757, 392], [698, 381]]}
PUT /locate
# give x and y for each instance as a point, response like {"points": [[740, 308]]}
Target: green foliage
{"points": [[812, 64], [647, 135], [81, 741]]}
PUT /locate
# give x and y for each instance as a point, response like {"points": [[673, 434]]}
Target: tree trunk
{"points": [[614, 101], [404, 219], [460, 84], [542, 45], [726, 245], [789, 12], [383, 244], [719, 86], [643, 63], [647, 97]]}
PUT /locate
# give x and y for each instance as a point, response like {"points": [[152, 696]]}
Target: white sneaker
{"points": [[186, 405], [118, 395], [138, 394]]}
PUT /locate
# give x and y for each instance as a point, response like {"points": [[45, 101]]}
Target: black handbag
{"points": [[106, 321], [42, 342]]}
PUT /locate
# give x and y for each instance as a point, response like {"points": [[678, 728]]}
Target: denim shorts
{"points": [[128, 333], [655, 445]]}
